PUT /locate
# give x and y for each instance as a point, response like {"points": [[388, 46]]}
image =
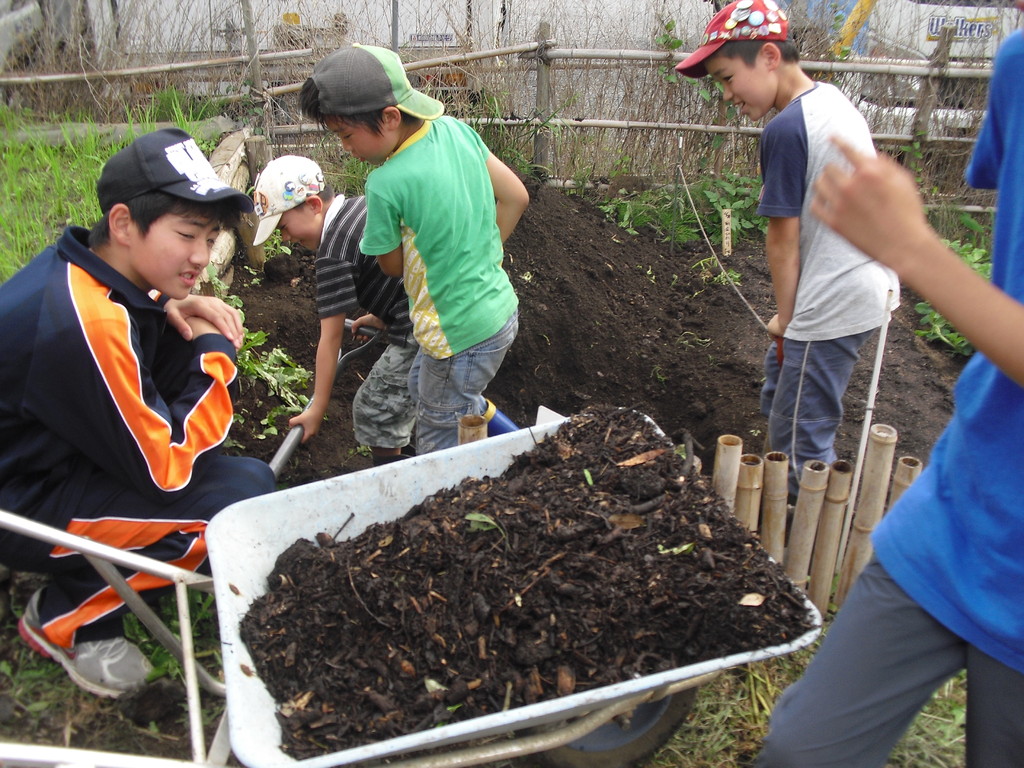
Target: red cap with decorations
{"points": [[739, 20]]}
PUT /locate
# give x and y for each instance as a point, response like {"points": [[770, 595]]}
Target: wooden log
{"points": [[907, 470], [229, 161], [813, 483], [773, 510], [726, 471], [870, 505], [258, 154], [748, 490]]}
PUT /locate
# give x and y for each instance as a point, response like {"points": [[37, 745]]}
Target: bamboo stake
{"points": [[830, 523], [726, 472], [773, 511], [472, 427], [870, 504], [907, 470], [748, 490], [813, 482]]}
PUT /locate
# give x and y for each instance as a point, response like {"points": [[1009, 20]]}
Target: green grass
{"points": [[48, 186]]}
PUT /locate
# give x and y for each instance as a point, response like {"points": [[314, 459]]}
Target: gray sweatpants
{"points": [[879, 664]]}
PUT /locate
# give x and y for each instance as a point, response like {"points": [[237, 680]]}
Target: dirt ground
{"points": [[612, 318], [607, 318]]}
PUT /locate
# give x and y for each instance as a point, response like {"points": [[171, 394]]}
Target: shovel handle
{"points": [[294, 437], [778, 349]]}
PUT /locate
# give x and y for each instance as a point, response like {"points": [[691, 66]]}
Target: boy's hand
{"points": [[775, 327], [309, 421], [218, 317], [368, 320]]}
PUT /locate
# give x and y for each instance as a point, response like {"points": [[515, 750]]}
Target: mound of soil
{"points": [[597, 557], [609, 317]]}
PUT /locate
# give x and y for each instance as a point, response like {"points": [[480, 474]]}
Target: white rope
{"points": [[865, 429], [711, 247]]}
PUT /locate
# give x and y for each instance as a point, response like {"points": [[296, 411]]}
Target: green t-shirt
{"points": [[434, 198]]}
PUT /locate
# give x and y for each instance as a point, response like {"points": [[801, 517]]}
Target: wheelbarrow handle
{"points": [[294, 437]]}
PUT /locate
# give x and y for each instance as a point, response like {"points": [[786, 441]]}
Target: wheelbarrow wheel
{"points": [[626, 744]]}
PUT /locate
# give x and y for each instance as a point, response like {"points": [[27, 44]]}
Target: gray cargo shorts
{"points": [[383, 414]]}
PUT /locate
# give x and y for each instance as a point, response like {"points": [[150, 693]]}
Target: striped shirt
{"points": [[348, 280]]}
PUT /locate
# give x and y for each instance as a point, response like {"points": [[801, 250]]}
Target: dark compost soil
{"points": [[597, 557]]}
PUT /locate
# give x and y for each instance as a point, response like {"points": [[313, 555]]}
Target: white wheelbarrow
{"points": [[576, 730]]}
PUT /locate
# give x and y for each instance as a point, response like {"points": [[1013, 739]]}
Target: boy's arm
{"points": [[332, 332], [877, 207], [510, 195], [225, 319], [782, 248], [392, 264]]}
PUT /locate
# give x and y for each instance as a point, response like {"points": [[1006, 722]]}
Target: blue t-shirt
{"points": [[955, 540]]}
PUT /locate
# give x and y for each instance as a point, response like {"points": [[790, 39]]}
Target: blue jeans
{"points": [[446, 390], [803, 398]]}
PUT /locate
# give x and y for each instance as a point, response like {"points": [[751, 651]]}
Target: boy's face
{"points": [[301, 225], [171, 256], [751, 88], [361, 142]]}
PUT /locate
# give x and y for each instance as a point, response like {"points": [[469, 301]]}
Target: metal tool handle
{"points": [[294, 437]]}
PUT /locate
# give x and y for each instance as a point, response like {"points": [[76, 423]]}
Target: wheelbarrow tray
{"points": [[246, 539]]}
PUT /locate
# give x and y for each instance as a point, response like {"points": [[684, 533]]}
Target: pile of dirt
{"points": [[597, 557], [610, 317]]}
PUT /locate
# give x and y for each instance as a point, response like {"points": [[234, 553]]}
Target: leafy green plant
{"points": [[283, 377], [710, 272], [935, 327], [478, 521], [740, 195], [656, 209], [669, 42]]}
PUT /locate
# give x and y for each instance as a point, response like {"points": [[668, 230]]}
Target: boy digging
{"points": [[829, 296], [291, 196], [438, 208]]}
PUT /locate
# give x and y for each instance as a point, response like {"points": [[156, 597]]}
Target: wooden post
{"points": [[472, 428], [927, 92], [813, 482], [870, 504], [907, 470], [773, 511], [748, 490], [830, 527], [542, 138], [726, 471], [727, 231]]}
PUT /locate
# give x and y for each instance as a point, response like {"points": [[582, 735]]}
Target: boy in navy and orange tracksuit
{"points": [[115, 397]]}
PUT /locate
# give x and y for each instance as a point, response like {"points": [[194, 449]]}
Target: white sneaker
{"points": [[102, 667]]}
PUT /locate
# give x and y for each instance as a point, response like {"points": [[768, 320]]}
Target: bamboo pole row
{"points": [[805, 538]]}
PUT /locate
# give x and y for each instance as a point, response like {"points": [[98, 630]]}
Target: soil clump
{"points": [[597, 557]]}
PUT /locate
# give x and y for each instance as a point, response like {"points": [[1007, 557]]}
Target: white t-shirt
{"points": [[841, 291]]}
